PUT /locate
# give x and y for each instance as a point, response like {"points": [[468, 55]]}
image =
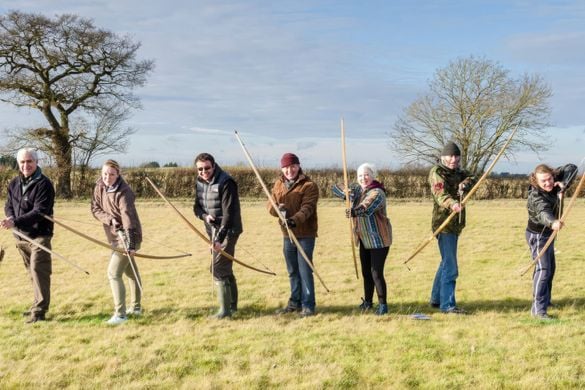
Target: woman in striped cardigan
{"points": [[373, 232]]}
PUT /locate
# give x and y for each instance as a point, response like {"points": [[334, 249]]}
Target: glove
{"points": [[291, 223], [221, 234], [282, 209], [349, 213], [131, 237], [352, 195], [464, 187]]}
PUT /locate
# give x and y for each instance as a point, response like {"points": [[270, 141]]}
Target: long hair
{"points": [[541, 168]]}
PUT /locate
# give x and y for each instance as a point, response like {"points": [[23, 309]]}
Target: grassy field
{"points": [[176, 345]]}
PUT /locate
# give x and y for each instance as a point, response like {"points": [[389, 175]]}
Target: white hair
{"points": [[369, 167], [30, 151]]}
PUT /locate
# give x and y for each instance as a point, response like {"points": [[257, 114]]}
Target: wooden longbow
{"points": [[465, 199], [555, 232], [275, 206], [109, 246], [203, 236], [347, 200]]}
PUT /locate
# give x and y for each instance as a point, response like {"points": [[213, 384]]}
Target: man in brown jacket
{"points": [[297, 198]]}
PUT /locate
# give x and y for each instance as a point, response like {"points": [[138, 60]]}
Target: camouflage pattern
{"points": [[444, 184]]}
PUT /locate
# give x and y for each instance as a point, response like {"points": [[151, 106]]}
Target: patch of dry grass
{"points": [[176, 345]]}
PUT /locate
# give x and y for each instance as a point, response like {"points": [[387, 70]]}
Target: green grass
{"points": [[176, 345]]}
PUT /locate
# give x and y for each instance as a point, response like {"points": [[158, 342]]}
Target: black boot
{"points": [[366, 305], [234, 293], [224, 297]]}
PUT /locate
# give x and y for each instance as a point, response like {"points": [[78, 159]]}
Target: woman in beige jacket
{"points": [[113, 205]]}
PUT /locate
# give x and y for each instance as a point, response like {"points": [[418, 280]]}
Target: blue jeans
{"points": [[302, 286], [443, 292]]}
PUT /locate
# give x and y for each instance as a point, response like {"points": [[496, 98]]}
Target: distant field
{"points": [[176, 345]]}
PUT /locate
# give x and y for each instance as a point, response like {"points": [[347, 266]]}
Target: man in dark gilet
{"points": [[217, 203]]}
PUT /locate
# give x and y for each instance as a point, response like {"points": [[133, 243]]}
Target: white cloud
{"points": [[283, 73]]}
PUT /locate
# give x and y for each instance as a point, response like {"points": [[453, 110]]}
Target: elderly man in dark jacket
{"points": [[30, 195], [217, 203]]}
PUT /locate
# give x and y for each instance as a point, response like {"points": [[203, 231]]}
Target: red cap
{"points": [[289, 159]]}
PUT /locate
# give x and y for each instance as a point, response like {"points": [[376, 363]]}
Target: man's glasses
{"points": [[201, 169]]}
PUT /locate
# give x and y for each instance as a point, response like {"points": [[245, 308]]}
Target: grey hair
{"points": [[370, 167], [30, 151]]}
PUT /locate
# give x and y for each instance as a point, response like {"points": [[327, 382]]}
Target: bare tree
{"points": [[104, 134], [61, 66], [476, 103]]}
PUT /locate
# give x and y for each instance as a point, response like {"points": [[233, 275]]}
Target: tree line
{"points": [[180, 182]]}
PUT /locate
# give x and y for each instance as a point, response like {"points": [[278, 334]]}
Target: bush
{"points": [[180, 182], [152, 164]]}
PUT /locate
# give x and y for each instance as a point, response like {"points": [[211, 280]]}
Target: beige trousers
{"points": [[120, 265]]}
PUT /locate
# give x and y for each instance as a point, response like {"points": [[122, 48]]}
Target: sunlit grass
{"points": [[176, 345]]}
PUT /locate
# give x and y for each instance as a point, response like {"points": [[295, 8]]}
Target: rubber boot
{"points": [[224, 297], [234, 293]]}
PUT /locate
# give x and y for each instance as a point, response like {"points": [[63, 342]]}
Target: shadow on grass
{"points": [[508, 305], [406, 308]]}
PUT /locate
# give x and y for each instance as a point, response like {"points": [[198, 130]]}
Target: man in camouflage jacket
{"points": [[448, 184]]}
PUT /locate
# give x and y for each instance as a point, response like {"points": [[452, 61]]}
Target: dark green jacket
{"points": [[444, 184]]}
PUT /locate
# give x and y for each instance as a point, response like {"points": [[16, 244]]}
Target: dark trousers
{"points": [[39, 266], [373, 261], [222, 267], [544, 272]]}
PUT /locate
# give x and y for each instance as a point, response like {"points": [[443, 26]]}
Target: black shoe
{"points": [[289, 309], [366, 305], [35, 318], [435, 305], [306, 312], [455, 310]]}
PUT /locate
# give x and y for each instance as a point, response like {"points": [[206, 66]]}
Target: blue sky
{"points": [[283, 73]]}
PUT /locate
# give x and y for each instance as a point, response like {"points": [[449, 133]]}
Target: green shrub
{"points": [[180, 182]]}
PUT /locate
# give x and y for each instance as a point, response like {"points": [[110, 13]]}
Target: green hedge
{"points": [[180, 182]]}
